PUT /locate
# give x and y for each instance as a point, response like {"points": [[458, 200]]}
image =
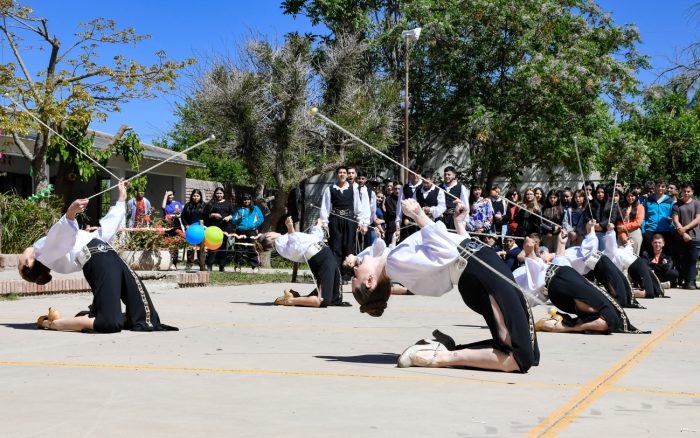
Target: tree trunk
{"points": [[38, 164]]}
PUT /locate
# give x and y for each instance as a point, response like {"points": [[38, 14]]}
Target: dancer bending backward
{"points": [[428, 263], [589, 262], [635, 267], [593, 309], [67, 249], [302, 247]]}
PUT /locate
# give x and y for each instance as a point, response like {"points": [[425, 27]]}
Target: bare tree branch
{"points": [[22, 147]]}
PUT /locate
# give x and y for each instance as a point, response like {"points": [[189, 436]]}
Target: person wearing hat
{"points": [[67, 249]]}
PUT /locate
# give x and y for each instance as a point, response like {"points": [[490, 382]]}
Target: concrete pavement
{"points": [[242, 367]]}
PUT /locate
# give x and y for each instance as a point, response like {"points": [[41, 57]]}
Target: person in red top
{"points": [[514, 196], [630, 223]]}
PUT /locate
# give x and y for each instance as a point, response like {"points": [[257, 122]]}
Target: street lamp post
{"points": [[408, 36]]}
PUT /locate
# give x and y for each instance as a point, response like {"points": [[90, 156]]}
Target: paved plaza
{"points": [[242, 367]]}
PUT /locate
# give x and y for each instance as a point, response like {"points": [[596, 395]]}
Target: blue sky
{"points": [[186, 29]]}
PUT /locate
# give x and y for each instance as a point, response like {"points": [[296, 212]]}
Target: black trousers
{"points": [[477, 284], [245, 252], [341, 238], [614, 281], [218, 256], [327, 276], [566, 286], [112, 283], [640, 273]]}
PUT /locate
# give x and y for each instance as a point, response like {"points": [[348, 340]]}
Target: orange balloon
{"points": [[211, 245]]}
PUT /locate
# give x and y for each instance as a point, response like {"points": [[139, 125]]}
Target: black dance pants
{"points": [[327, 276], [477, 284], [566, 286], [112, 283]]}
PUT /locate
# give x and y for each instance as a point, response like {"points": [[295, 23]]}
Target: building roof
{"points": [[150, 152]]}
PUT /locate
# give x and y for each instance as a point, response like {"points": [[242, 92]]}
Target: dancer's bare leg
{"points": [[598, 325], [485, 358], [303, 301], [77, 324]]}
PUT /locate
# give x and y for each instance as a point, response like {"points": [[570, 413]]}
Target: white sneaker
{"points": [[666, 284]]}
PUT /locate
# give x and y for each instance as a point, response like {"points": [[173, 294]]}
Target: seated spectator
{"points": [[509, 253], [660, 262]]}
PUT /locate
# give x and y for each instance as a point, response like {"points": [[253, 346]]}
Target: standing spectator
{"points": [[500, 206], [553, 211], [629, 223], [379, 228], [429, 197], [408, 191], [456, 189], [686, 217], [340, 212], [657, 217], [368, 201], [136, 209], [390, 209], [514, 197], [567, 202], [588, 188], [193, 213], [660, 262], [172, 210], [528, 223], [602, 209], [388, 187], [218, 212], [539, 195], [672, 191], [248, 219], [480, 211], [577, 226]]}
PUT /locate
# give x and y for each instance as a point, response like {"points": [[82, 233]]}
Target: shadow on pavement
{"points": [[381, 359], [22, 326]]}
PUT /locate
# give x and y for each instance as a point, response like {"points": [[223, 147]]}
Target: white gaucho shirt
{"points": [[62, 248], [426, 263]]}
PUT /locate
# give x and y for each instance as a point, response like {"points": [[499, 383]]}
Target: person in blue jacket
{"points": [[658, 208], [247, 219]]}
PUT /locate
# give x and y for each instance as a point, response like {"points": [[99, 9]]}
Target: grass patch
{"points": [[9, 297], [239, 278]]}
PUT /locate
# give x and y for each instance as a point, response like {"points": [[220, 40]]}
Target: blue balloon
{"points": [[194, 234]]}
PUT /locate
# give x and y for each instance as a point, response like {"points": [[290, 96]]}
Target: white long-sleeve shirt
{"points": [[362, 214], [426, 262], [621, 257], [293, 246], [62, 248], [376, 249], [531, 277], [577, 255]]}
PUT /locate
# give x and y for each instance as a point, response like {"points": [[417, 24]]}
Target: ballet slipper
{"points": [[541, 325], [282, 301], [409, 357]]}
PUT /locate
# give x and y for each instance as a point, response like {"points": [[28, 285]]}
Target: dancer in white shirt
{"points": [[68, 249]]}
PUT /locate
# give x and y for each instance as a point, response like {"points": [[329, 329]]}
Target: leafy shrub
{"points": [[23, 221]]}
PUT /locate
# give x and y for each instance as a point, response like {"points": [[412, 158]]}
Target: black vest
{"points": [[431, 200], [390, 208], [342, 200], [455, 191], [408, 191]]}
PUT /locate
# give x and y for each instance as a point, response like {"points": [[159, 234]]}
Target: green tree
{"points": [[75, 87], [669, 130], [258, 107], [512, 82]]}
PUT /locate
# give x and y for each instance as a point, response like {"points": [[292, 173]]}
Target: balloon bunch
{"points": [[211, 237], [42, 194]]}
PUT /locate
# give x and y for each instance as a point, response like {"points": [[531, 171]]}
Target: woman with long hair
{"points": [[218, 212], [193, 213], [247, 220], [630, 220], [480, 211], [553, 211], [511, 211], [528, 223]]}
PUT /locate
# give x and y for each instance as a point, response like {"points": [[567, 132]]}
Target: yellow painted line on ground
{"points": [[562, 417], [655, 392]]}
